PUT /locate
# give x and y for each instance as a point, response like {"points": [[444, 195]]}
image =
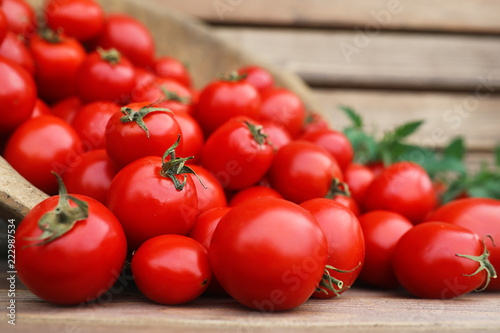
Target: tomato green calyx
{"points": [[328, 282], [176, 166], [51, 36], [112, 55], [137, 116], [232, 77], [258, 135], [173, 96], [62, 219], [484, 264], [338, 188]]}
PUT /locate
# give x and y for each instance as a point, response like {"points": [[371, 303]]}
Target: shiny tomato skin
{"points": [[171, 269], [129, 36], [302, 171], [191, 135], [40, 109], [41, 145], [21, 18], [480, 215], [358, 178], [234, 156], [277, 134], [210, 196], [404, 188], [81, 19], [163, 133], [148, 205], [269, 254], [349, 203], [314, 122], [67, 108], [92, 176], [254, 192], [283, 107], [90, 123], [13, 48], [336, 143], [346, 245], [220, 101], [153, 92], [426, 264], [382, 230], [79, 266], [257, 76], [173, 69], [3, 25], [100, 80], [17, 96]]}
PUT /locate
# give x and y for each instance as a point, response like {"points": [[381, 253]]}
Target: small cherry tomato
{"points": [[314, 122], [173, 69], [358, 177], [191, 135], [258, 77], [254, 192], [21, 18], [276, 134], [209, 191], [336, 143], [67, 108], [166, 93], [15, 49]]}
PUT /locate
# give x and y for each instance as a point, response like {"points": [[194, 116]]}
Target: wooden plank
{"points": [[385, 60], [424, 15]]}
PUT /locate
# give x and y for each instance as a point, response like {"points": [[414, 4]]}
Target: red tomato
{"points": [[41, 145], [81, 19], [3, 25], [191, 135], [20, 17], [346, 246], [429, 261], [159, 132], [40, 109], [258, 77], [57, 60], [237, 153], [283, 107], [17, 96], [358, 177], [171, 269], [148, 203], [314, 122], [222, 100], [166, 93], [404, 188], [105, 75], [254, 192], [173, 69], [79, 264], [13, 48], [269, 254], [302, 171], [336, 143], [348, 202], [130, 37], [92, 176], [67, 108], [376, 167], [90, 123], [480, 215], [212, 194], [277, 134], [382, 230]]}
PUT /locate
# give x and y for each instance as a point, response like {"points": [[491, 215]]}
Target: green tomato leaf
{"points": [[406, 130], [455, 149], [356, 120], [497, 156]]}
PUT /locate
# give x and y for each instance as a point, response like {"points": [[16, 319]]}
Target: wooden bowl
{"points": [[176, 35]]}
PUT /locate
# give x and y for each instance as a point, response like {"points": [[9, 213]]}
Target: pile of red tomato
{"points": [[235, 189]]}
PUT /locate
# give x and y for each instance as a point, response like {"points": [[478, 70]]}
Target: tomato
{"points": [[92, 176], [57, 60], [480, 215], [237, 153], [17, 96], [152, 198], [302, 171], [222, 100], [277, 134], [404, 188], [130, 37], [358, 178], [382, 230], [91, 120], [171, 269], [78, 257], [192, 136], [173, 69], [3, 25], [67, 108], [436, 260], [269, 254], [159, 131], [41, 145], [20, 17], [314, 122], [40, 109], [81, 19], [105, 75], [166, 93], [258, 77], [283, 107], [210, 193], [13, 48], [346, 246], [348, 202], [336, 143], [254, 192], [376, 167]]}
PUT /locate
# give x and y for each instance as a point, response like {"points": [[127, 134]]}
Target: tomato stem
{"points": [[328, 281], [137, 116], [258, 135], [232, 77], [51, 36], [111, 56], [173, 96], [338, 188]]}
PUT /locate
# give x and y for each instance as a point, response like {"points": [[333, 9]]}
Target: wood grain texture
{"points": [[445, 15], [395, 60]]}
